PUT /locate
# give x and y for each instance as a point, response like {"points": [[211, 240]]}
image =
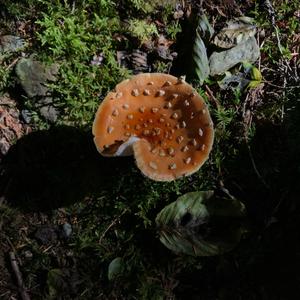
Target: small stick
{"points": [[12, 64], [255, 168], [113, 223], [211, 95], [18, 274]]}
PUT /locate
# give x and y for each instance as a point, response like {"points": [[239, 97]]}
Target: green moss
{"points": [[142, 30], [142, 6], [72, 37], [118, 219]]}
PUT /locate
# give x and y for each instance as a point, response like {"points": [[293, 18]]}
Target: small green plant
{"points": [[237, 93], [4, 76], [142, 30], [141, 5], [162, 67], [224, 116], [173, 28], [81, 41], [278, 44], [16, 9]]}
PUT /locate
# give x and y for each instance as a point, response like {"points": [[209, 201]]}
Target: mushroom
{"points": [[161, 120]]}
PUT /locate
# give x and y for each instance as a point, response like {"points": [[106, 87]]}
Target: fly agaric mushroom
{"points": [[161, 120]]}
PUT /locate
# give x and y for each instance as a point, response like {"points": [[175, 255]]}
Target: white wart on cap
{"points": [[161, 120]]}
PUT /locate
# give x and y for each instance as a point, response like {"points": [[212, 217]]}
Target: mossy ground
{"points": [[54, 175]]}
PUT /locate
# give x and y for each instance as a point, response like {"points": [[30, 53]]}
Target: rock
{"points": [[233, 81], [220, 62], [28, 254], [11, 128], [47, 110], [67, 230], [4, 146], [139, 61], [162, 47], [26, 115], [46, 235], [237, 31], [11, 43], [50, 113], [34, 75]]}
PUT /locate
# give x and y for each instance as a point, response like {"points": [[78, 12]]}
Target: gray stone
{"points": [[46, 234], [220, 62], [28, 254], [67, 228], [47, 110], [26, 116], [235, 33], [4, 146], [34, 75], [11, 43], [233, 81]]}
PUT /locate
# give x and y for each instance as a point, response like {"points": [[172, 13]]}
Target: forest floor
{"points": [[76, 225]]}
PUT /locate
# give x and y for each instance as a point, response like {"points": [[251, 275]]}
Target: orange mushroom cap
{"points": [[161, 120]]}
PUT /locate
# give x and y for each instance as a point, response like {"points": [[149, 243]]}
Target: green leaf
{"points": [[200, 58], [55, 283], [255, 74], [205, 30], [115, 268], [201, 224], [253, 84]]}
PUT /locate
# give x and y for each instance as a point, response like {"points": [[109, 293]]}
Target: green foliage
{"points": [[255, 75], [141, 5], [4, 78], [142, 30], [224, 117], [115, 268], [278, 44], [173, 28], [198, 224], [20, 9], [162, 67], [200, 59], [205, 29], [71, 37], [7, 62], [55, 283], [118, 225], [237, 93]]}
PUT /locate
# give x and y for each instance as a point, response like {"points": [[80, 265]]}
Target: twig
{"points": [[255, 168], [278, 39], [271, 12], [282, 87], [259, 59], [211, 95], [18, 275], [12, 64], [73, 7], [113, 223]]}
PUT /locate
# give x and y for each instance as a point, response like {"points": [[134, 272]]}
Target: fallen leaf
{"points": [[115, 268], [206, 31], [201, 224], [199, 53]]}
